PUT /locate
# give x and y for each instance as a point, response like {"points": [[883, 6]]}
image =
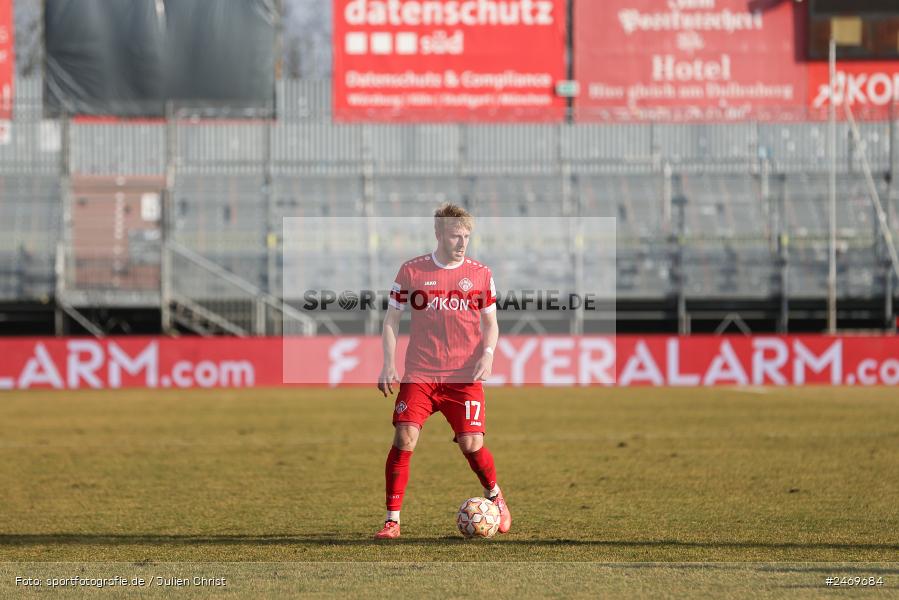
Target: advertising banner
{"points": [[448, 60], [7, 60], [141, 362], [687, 60], [870, 89]]}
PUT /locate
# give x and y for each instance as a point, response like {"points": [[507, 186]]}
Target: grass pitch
{"points": [[284, 489]]}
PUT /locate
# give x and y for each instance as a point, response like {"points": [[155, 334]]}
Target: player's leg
{"points": [[396, 476], [405, 437], [481, 462], [464, 408], [479, 459], [412, 408]]}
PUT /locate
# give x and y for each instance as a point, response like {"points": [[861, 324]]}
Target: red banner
{"points": [[140, 362], [7, 59], [442, 60], [870, 89], [687, 60]]}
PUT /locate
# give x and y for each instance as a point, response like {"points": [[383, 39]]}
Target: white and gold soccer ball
{"points": [[478, 517]]}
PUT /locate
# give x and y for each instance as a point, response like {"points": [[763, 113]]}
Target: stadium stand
{"points": [[734, 212], [29, 229]]}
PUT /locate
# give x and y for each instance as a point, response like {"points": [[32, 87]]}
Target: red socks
{"points": [[396, 473], [482, 464], [397, 476]]}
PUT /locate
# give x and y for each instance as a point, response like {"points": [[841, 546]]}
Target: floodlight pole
{"points": [[165, 219], [64, 245], [832, 151]]}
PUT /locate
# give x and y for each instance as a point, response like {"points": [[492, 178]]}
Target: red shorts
{"points": [[462, 404]]}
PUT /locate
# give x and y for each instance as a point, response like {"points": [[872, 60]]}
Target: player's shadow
{"points": [[334, 539]]}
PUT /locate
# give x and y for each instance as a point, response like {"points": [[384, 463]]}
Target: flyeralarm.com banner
{"points": [[687, 60], [441, 60], [185, 363]]}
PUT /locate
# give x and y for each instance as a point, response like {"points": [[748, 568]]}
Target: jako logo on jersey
{"points": [[430, 283], [466, 284], [449, 304], [400, 407]]}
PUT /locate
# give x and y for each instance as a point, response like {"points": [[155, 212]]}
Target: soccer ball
{"points": [[478, 517]]}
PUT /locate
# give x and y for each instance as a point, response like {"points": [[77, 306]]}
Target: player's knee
{"points": [[405, 444], [405, 438], [470, 443]]}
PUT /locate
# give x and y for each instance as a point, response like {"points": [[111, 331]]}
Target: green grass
{"points": [[592, 476]]}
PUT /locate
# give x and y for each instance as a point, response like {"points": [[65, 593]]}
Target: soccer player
{"points": [[453, 334]]}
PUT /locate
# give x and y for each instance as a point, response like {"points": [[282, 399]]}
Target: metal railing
{"points": [[203, 296]]}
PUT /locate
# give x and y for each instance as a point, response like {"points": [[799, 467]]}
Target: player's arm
{"points": [[391, 330], [389, 335], [490, 333]]}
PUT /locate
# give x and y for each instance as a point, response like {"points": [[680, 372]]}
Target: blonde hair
{"points": [[455, 213]]}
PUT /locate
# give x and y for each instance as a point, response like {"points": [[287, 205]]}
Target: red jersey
{"points": [[446, 305]]}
